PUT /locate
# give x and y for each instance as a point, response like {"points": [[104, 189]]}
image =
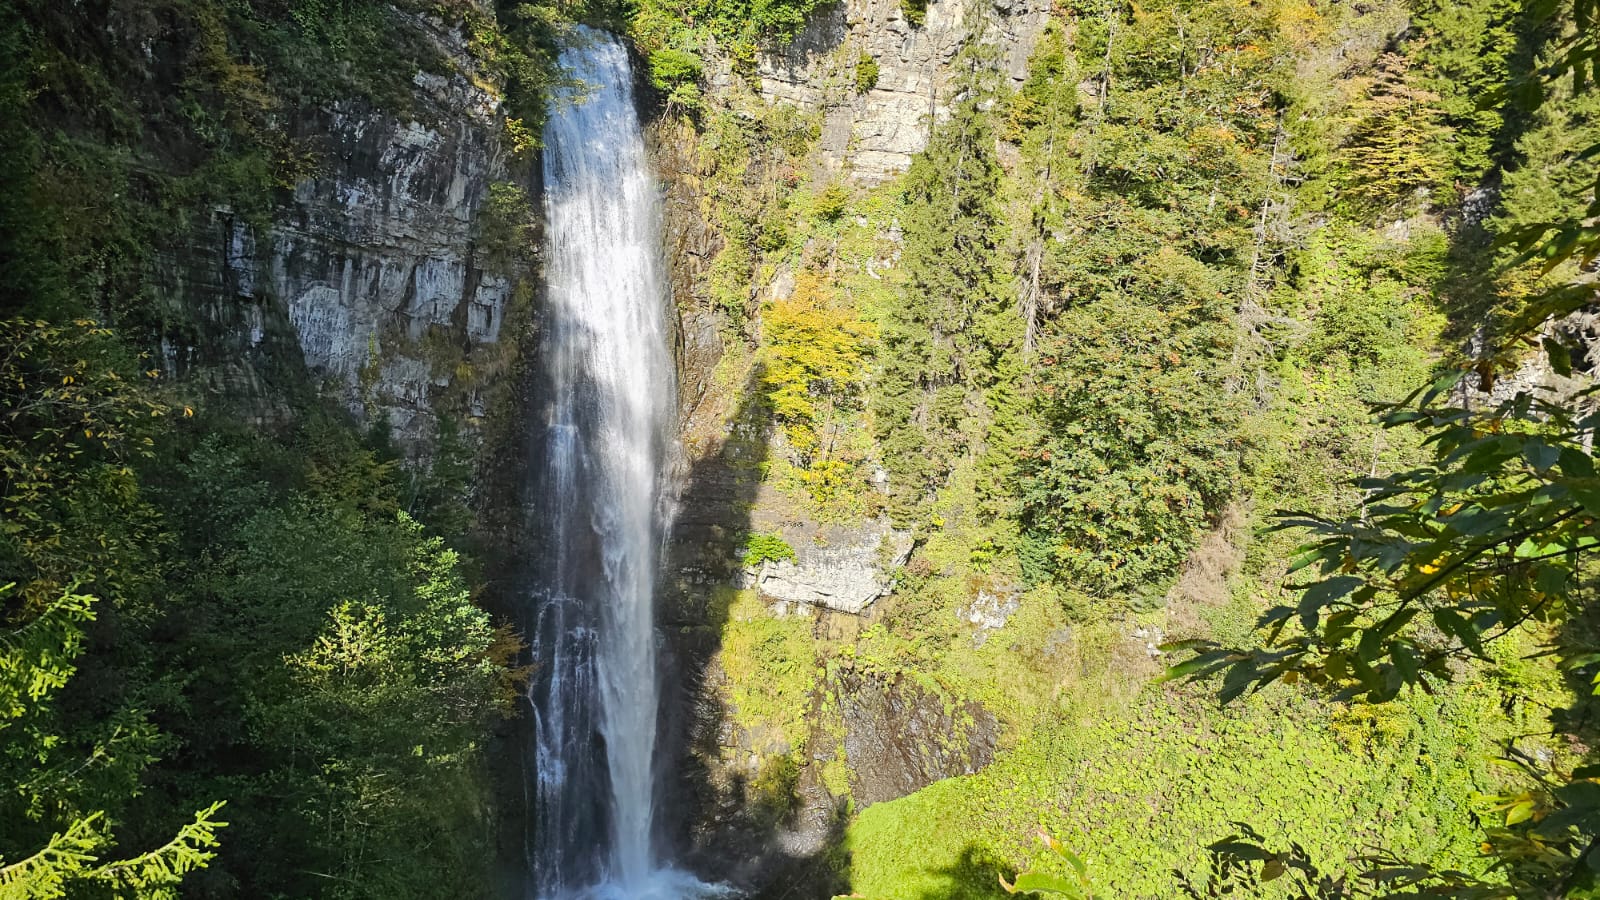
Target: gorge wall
{"points": [[870, 134], [388, 275], [399, 277]]}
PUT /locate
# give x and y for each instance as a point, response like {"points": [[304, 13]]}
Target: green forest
{"points": [[1242, 351]]}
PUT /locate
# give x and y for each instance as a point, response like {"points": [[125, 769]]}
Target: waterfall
{"points": [[610, 396]]}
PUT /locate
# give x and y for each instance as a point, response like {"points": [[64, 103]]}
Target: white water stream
{"points": [[610, 398]]}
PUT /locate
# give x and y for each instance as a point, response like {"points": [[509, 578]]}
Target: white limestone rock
{"points": [[845, 572], [989, 612], [871, 136]]}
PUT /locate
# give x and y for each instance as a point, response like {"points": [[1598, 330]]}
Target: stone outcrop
{"points": [[839, 568], [989, 612], [1579, 331], [871, 135]]}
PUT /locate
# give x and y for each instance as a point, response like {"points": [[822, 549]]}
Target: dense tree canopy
{"points": [[1087, 374]]}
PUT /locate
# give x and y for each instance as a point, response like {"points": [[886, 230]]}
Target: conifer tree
{"points": [[37, 659], [942, 343]]}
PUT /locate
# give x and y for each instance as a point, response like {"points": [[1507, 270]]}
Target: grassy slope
{"points": [[1139, 791]]}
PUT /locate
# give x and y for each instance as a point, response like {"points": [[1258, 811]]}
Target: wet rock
{"points": [[900, 737]]}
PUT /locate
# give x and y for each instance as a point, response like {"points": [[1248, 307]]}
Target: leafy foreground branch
{"points": [[36, 660], [1496, 535], [1443, 560]]}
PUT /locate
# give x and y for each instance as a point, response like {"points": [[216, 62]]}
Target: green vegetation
{"points": [[769, 662], [1130, 789], [36, 661], [866, 73], [1482, 545], [1143, 445], [266, 608], [369, 678], [1390, 161], [676, 72], [739, 28], [760, 548], [278, 619], [1122, 314], [944, 341], [812, 366]]}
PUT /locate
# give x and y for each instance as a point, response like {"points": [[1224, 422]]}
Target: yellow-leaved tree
{"points": [[814, 364]]}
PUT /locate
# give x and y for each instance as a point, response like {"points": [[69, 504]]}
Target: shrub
{"points": [[866, 73], [815, 361], [676, 73], [670, 68], [760, 548], [774, 233], [830, 204]]}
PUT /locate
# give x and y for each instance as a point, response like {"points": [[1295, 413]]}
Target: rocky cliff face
{"points": [[835, 567], [871, 134], [376, 263], [372, 274], [899, 739]]}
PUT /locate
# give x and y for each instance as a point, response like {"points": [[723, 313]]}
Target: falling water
{"points": [[610, 394]]}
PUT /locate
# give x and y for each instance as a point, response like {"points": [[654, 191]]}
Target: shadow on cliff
{"points": [[714, 817], [700, 563], [503, 543]]}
